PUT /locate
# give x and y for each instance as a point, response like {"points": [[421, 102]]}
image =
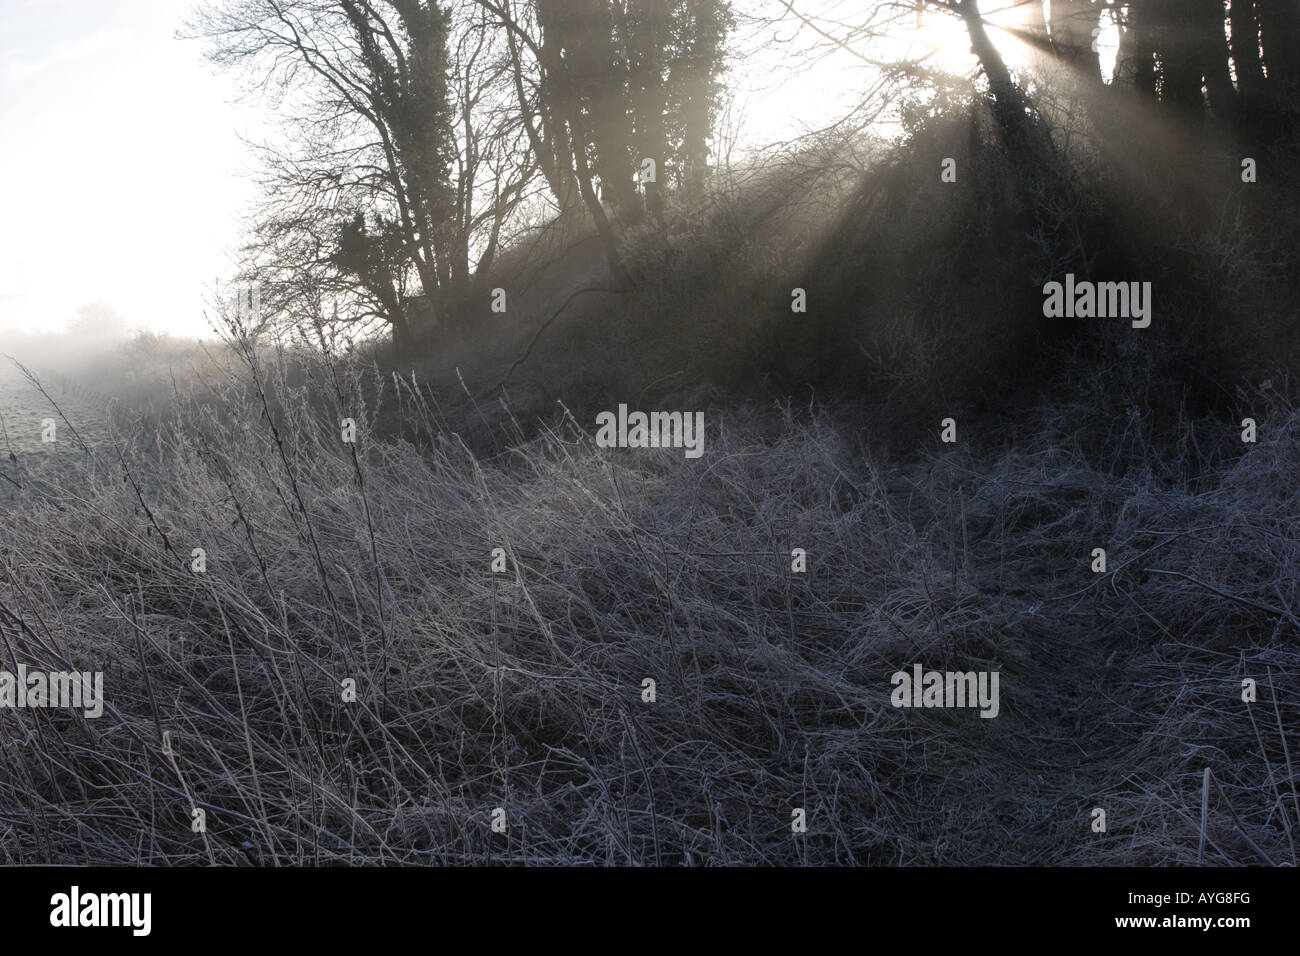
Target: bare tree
{"points": [[398, 163]]}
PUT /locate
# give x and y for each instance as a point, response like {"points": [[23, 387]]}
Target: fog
{"points": [[95, 362]]}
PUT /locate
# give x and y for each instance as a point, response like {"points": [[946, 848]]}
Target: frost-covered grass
{"points": [[524, 689]]}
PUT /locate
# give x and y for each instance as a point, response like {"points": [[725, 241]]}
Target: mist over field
{"points": [[581, 472]]}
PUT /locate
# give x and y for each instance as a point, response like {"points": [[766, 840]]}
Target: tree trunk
{"points": [[706, 22], [1180, 67], [601, 78], [1009, 104], [1211, 46], [551, 141], [1142, 24], [1126, 58], [402, 339], [608, 240], [1279, 22], [649, 97], [1245, 56]]}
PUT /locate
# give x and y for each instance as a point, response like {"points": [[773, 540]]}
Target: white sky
{"points": [[120, 162]]}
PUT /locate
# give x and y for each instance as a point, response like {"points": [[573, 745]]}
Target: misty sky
{"points": [[120, 162]]}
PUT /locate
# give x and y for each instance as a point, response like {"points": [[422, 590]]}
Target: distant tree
{"points": [[97, 320]]}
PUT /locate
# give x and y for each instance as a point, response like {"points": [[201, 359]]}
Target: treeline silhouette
{"points": [[436, 153]]}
